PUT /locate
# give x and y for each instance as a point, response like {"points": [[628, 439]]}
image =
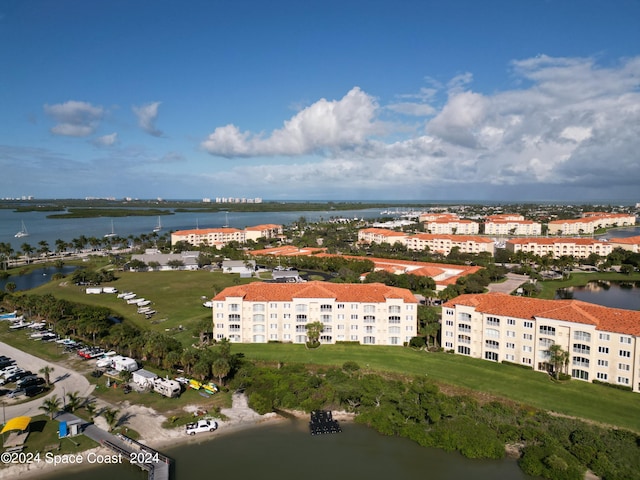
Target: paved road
{"points": [[513, 281], [64, 381]]}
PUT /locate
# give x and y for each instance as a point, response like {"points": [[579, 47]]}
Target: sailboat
{"points": [[112, 234], [23, 232], [158, 227]]}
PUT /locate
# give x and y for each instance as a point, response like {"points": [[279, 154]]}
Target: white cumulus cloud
{"points": [[147, 115], [106, 140], [74, 118], [324, 125]]}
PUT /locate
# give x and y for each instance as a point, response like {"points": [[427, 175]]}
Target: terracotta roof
{"points": [[607, 319], [205, 231], [553, 241], [626, 241], [453, 238], [287, 251], [267, 226], [341, 292], [383, 231]]}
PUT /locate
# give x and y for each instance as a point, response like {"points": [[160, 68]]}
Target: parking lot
{"points": [[64, 381]]}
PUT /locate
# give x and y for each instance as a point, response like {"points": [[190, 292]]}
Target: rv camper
{"points": [[166, 387]]}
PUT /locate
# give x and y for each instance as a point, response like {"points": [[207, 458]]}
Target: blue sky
{"points": [[526, 100]]}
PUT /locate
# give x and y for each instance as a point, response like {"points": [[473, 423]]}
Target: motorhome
{"points": [[166, 387], [121, 363]]}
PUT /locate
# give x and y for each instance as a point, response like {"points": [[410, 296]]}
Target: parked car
{"points": [[33, 390], [15, 376], [29, 381], [9, 370], [201, 426]]}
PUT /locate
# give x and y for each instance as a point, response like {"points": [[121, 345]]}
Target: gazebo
{"points": [[18, 428]]}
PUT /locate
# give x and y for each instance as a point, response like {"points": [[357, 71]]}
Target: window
{"points": [[464, 350], [492, 333], [369, 340], [286, 316], [527, 361], [341, 306], [604, 336], [301, 308], [464, 328], [234, 317], [301, 328], [369, 309], [580, 362], [493, 356], [369, 319], [527, 348], [493, 321], [511, 334], [341, 316], [603, 349], [258, 317], [546, 342], [603, 363], [354, 316], [601, 376], [395, 330], [626, 340], [623, 366], [354, 327], [219, 315], [511, 345], [625, 353], [464, 317], [396, 341], [219, 325], [273, 326], [528, 324], [286, 326], [394, 308], [511, 321], [547, 330], [273, 315], [300, 318], [492, 344], [448, 323], [464, 339], [325, 318], [581, 349], [234, 327], [509, 357], [234, 307], [258, 328], [369, 329], [582, 336], [325, 308], [623, 380], [326, 338], [448, 311], [527, 336], [273, 305], [258, 307], [353, 338], [581, 374]]}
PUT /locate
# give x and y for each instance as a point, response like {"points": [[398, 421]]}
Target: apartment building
{"points": [[602, 342], [372, 314], [589, 223], [630, 243], [381, 235], [218, 237], [511, 225], [558, 247], [444, 243], [268, 230], [452, 227]]}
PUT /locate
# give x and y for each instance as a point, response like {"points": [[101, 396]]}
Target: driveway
{"points": [[64, 381], [513, 281]]}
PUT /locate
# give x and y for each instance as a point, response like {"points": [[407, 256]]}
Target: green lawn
{"points": [[549, 287], [575, 398]]}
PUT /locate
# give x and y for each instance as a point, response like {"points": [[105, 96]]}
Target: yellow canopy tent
{"points": [[18, 423]]}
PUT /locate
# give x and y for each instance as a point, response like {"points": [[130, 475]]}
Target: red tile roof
{"points": [[206, 231], [341, 292], [607, 319]]}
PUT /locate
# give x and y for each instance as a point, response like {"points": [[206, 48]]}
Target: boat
{"points": [[23, 232], [158, 227], [112, 234]]}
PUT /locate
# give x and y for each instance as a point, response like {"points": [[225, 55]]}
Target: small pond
{"points": [[609, 294], [36, 277]]}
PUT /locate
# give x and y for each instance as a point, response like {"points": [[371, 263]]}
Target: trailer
{"points": [[93, 290], [121, 363], [166, 387], [110, 290]]}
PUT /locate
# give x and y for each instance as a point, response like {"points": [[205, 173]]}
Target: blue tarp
{"points": [[62, 430]]}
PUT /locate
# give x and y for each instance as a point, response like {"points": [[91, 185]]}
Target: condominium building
{"points": [[444, 243], [381, 235], [508, 226], [269, 230], [558, 247], [630, 243], [602, 342], [371, 314], [218, 237], [590, 222]]}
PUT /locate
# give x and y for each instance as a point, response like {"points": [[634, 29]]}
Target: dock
{"points": [[322, 422], [155, 463]]}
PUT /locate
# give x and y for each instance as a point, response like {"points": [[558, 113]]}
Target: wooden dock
{"points": [[155, 463]]}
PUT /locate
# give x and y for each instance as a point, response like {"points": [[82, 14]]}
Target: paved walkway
{"points": [[64, 381], [513, 281]]}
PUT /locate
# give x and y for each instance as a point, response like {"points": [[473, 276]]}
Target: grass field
{"points": [[574, 398], [549, 287]]}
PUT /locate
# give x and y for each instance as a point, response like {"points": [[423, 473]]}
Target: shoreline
{"points": [[239, 418]]}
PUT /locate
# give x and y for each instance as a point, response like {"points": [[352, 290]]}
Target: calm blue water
{"points": [[608, 294], [42, 228], [286, 451], [36, 277]]}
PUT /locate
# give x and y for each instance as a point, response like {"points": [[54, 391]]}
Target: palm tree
{"points": [[111, 417], [51, 406], [558, 358], [73, 401], [46, 371], [314, 329], [221, 368]]}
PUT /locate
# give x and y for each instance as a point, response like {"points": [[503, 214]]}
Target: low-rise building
{"points": [[558, 247], [371, 314], [452, 226], [589, 223], [630, 243], [217, 237], [444, 243], [602, 343], [381, 235], [165, 261], [269, 230], [511, 225]]}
